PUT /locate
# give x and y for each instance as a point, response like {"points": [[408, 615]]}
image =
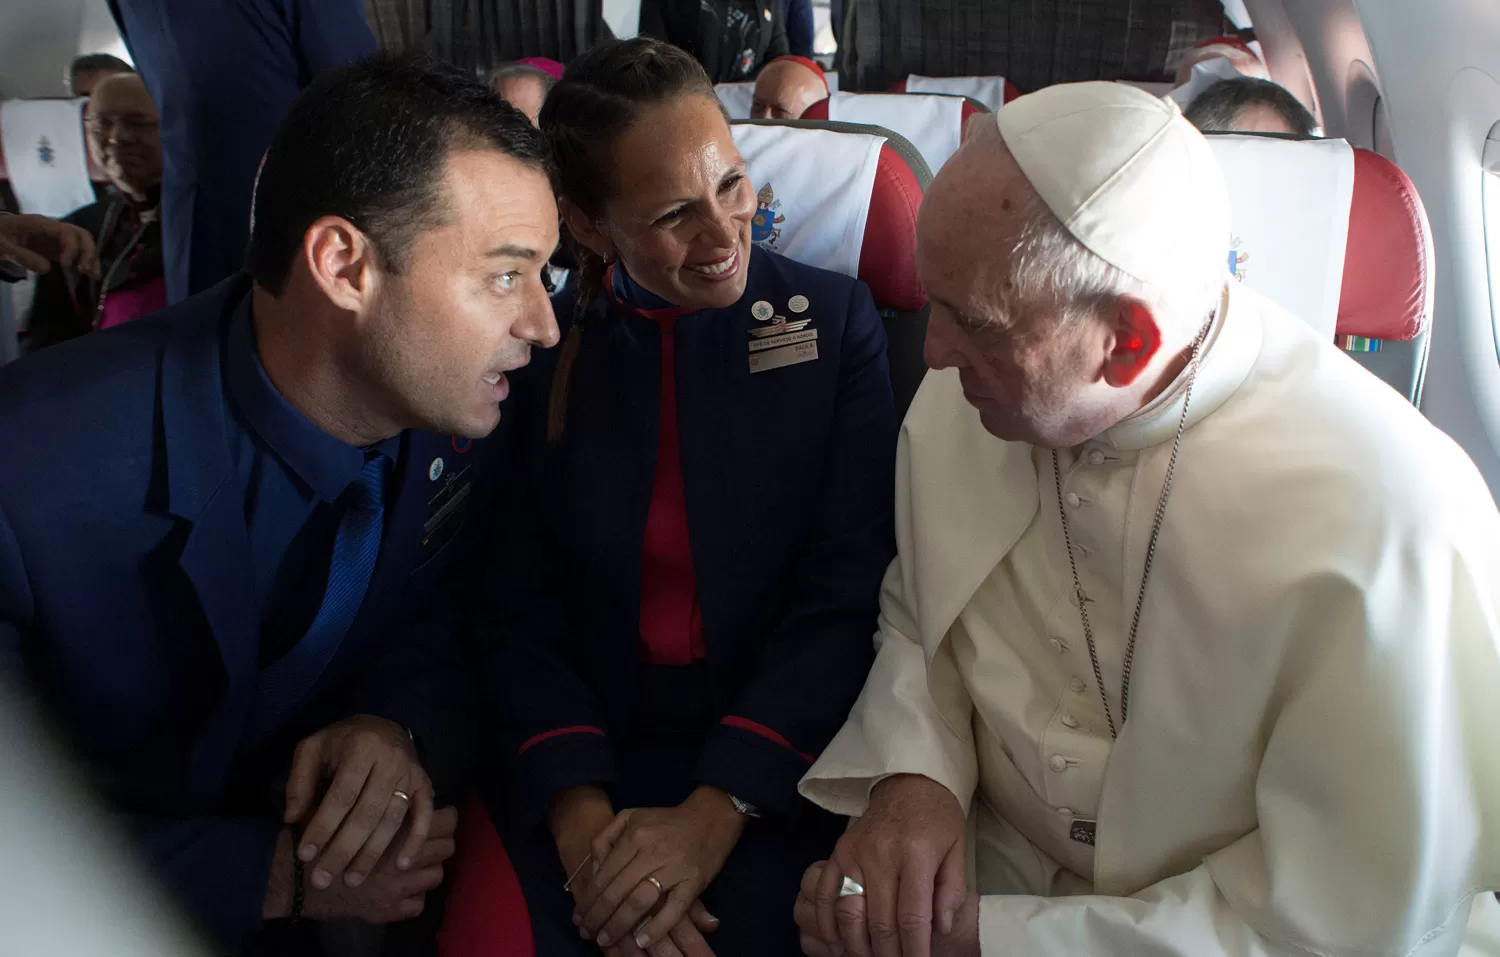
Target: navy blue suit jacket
{"points": [[222, 75], [789, 479], [128, 611]]}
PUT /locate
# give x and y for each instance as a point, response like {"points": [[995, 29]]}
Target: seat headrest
{"points": [[1334, 234], [737, 98], [1388, 288], [46, 155], [853, 211], [992, 92], [934, 124]]}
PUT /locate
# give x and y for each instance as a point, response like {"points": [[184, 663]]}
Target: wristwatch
{"points": [[745, 807]]}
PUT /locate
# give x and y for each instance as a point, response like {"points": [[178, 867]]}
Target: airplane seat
{"points": [[933, 123], [854, 212], [991, 91], [1338, 236], [736, 98], [485, 914], [45, 156]]}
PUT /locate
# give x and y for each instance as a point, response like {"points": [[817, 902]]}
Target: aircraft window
{"points": [[1492, 224], [1384, 145]]}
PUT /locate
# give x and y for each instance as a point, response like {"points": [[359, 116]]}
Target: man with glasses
{"points": [[125, 225]]}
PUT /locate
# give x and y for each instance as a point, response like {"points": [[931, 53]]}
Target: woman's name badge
{"points": [[767, 359]]}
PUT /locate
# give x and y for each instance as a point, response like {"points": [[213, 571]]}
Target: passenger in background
{"points": [[85, 72], [223, 75], [1248, 105], [730, 38], [523, 86], [1193, 642], [786, 87], [234, 535], [685, 615], [125, 225]]}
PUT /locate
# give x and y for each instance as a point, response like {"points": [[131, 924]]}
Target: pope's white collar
{"points": [[1232, 346]]}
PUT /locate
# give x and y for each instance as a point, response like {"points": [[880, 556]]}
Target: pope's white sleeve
{"points": [[895, 726], [1378, 793]]}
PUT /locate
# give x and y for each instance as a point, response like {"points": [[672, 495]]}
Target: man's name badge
{"points": [[1083, 831], [787, 355]]}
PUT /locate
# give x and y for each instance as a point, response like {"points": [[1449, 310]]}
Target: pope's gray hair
{"points": [[1049, 266]]}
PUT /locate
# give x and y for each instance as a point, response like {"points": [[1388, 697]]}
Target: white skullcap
{"points": [[1131, 179]]}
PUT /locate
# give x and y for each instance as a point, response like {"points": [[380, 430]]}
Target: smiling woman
{"points": [[717, 485]]}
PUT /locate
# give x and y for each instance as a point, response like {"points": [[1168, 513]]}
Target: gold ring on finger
{"points": [[402, 795], [656, 884]]}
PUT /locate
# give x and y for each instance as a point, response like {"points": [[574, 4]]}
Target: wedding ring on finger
{"points": [[402, 795], [656, 884], [851, 888]]}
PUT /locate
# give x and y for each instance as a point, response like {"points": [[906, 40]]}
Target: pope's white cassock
{"points": [[1311, 763]]}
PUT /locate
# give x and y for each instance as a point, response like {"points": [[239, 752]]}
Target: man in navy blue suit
{"points": [[233, 535], [223, 75]]}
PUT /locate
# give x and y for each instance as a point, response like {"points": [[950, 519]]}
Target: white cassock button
{"points": [[1069, 721], [1077, 685], [1058, 646], [1073, 500], [1096, 457], [1058, 763]]}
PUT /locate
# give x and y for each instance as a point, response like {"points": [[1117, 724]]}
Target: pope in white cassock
{"points": [[1191, 647]]}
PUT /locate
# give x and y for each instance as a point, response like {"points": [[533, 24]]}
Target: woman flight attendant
{"points": [[687, 609]]}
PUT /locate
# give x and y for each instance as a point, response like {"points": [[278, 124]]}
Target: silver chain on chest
{"points": [[1140, 600]]}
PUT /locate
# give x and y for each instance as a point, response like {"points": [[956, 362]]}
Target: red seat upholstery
{"points": [[486, 912], [887, 260], [1010, 90], [1388, 290]]}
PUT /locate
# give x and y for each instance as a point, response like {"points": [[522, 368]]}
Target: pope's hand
{"points": [[908, 853], [962, 941]]}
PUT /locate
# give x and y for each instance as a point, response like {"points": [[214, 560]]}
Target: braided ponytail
{"points": [[597, 100]]}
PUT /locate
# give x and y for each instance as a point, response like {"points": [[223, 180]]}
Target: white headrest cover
{"points": [[1290, 221], [989, 90], [813, 192], [933, 124], [832, 76], [45, 155], [1206, 73], [737, 98]]}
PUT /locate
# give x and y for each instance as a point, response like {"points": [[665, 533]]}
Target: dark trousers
{"points": [[754, 893]]}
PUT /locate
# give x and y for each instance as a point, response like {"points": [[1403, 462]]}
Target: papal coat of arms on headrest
{"points": [[1237, 258], [45, 154], [763, 231]]}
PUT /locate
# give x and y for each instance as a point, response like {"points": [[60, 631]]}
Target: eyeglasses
{"points": [[137, 123]]}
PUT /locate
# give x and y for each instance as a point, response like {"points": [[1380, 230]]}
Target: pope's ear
{"points": [[1135, 341]]}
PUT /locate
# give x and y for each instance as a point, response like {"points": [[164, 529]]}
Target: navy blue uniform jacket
{"points": [[789, 478], [222, 75], [128, 610]]}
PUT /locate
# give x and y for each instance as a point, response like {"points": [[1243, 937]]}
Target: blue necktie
{"points": [[286, 682]]}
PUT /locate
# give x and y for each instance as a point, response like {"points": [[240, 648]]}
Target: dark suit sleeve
{"points": [[329, 33], [653, 22], [778, 45], [800, 28], [816, 658], [16, 608], [216, 869], [552, 732]]}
